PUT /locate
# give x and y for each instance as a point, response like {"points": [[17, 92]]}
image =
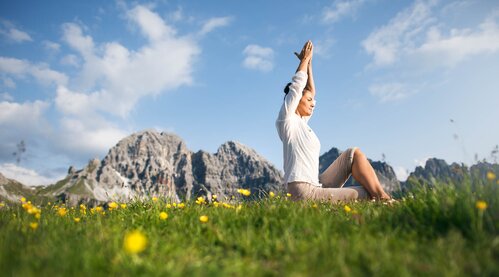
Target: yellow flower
{"points": [[99, 209], [76, 219], [155, 199], [314, 205], [135, 242], [163, 216], [23, 199], [113, 206], [123, 206], [62, 211], [83, 207], [168, 206], [174, 205], [491, 175], [347, 209], [2, 204], [33, 225], [481, 205], [203, 219], [38, 215], [200, 200], [181, 205], [214, 197], [288, 194], [244, 192], [216, 204], [271, 194]]}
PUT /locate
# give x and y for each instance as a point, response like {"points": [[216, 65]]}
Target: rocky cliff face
{"points": [[384, 172], [149, 163]]}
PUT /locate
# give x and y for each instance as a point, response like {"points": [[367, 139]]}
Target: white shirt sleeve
{"points": [[295, 93]]}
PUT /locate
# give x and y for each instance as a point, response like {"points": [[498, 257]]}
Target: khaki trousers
{"points": [[332, 180]]}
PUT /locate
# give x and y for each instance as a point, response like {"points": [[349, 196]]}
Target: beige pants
{"points": [[332, 180]]}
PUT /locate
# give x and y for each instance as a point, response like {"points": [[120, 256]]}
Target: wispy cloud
{"points": [[14, 34], [386, 92], [388, 42], [20, 68], [214, 23], [415, 34], [341, 9], [258, 58]]}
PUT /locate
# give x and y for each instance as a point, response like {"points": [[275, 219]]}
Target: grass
{"points": [[437, 231]]}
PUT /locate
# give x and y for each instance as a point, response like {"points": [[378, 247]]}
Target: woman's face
{"points": [[306, 105]]}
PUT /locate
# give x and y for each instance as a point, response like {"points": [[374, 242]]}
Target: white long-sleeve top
{"points": [[301, 147]]}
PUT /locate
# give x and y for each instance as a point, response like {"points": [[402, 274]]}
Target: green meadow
{"points": [[446, 230]]}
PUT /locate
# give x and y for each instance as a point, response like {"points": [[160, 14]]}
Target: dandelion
{"points": [[2, 204], [271, 194], [135, 242], [203, 219], [168, 206], [123, 206], [244, 192], [62, 211], [314, 205], [163, 216], [491, 175], [33, 225], [99, 209], [181, 205], [174, 205], [200, 200], [216, 204], [347, 209], [481, 205], [76, 219], [239, 207], [155, 199], [113, 206], [288, 194], [214, 197], [23, 199], [38, 215]]}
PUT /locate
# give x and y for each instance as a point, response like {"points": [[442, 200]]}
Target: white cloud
{"points": [[51, 46], [401, 172], [5, 96], [416, 37], [71, 60], [24, 121], [390, 91], [460, 44], [41, 72], [323, 47], [258, 58], [387, 43], [26, 176], [150, 23], [341, 9], [14, 34], [113, 78], [8, 82], [214, 23], [91, 136]]}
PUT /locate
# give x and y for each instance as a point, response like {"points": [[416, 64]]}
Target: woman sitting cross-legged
{"points": [[301, 148]]}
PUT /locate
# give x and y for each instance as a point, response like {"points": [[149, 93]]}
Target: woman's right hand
{"points": [[306, 52]]}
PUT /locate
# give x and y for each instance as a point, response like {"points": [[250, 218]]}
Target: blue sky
{"points": [[76, 77]]}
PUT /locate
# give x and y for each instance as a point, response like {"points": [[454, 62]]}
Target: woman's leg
{"points": [[306, 191], [363, 172]]}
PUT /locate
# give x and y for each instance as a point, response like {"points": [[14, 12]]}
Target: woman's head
{"points": [[307, 104]]}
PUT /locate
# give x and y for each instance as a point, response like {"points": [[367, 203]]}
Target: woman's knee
{"points": [[357, 154]]}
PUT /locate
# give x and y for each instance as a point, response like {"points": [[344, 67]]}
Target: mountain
{"points": [[149, 163], [383, 171], [437, 171], [12, 191]]}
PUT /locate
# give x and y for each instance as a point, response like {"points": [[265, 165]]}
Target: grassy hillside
{"points": [[440, 231]]}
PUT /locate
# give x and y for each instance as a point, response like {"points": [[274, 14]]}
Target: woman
{"points": [[301, 148]]}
